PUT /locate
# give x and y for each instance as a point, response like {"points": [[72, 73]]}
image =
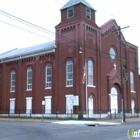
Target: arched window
{"points": [[131, 81], [29, 78], [90, 72], [12, 83], [48, 82], [69, 73]]}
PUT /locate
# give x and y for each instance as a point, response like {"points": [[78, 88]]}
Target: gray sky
{"points": [[46, 14]]}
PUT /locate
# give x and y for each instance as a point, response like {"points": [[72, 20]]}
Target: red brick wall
{"points": [[73, 35]]}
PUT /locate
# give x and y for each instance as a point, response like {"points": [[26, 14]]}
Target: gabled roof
{"points": [[113, 76], [27, 52], [108, 25], [112, 22], [74, 2]]}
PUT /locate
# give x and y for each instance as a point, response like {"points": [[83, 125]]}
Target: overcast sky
{"points": [[46, 14]]}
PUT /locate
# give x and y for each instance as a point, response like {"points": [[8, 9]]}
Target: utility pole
{"points": [[121, 73]]}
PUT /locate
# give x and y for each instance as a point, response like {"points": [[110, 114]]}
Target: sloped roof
{"points": [[114, 76], [74, 2], [112, 73], [106, 23], [28, 51]]}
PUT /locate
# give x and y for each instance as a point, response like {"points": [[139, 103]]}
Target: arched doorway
{"points": [[114, 100], [91, 106], [133, 106]]}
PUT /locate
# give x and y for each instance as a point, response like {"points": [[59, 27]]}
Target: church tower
{"points": [[77, 38], [75, 15]]}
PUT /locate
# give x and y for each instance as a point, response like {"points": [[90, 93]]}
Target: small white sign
{"points": [[74, 100], [43, 102]]}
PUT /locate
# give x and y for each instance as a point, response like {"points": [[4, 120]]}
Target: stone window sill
{"points": [[133, 91], [91, 86], [69, 86], [29, 90], [48, 88]]}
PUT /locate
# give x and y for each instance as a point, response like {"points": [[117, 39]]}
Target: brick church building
{"points": [[50, 74]]}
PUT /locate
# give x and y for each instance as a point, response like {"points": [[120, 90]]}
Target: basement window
{"points": [[70, 12]]}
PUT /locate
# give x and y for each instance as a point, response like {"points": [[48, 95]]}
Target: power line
{"points": [[101, 8], [47, 31], [36, 26], [24, 29], [58, 2], [39, 34], [25, 22]]}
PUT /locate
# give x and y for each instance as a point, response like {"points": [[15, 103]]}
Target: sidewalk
{"points": [[107, 122], [27, 120], [99, 122], [127, 120], [88, 123]]}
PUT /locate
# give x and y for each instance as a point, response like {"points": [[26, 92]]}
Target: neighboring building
{"points": [[53, 71]]}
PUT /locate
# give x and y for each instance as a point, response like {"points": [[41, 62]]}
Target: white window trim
{"points": [[69, 85], [12, 110], [12, 99], [68, 12], [132, 81], [48, 97], [67, 96], [92, 72], [86, 13], [67, 74], [91, 86], [29, 98], [30, 88], [27, 89], [133, 91], [11, 82], [46, 77], [48, 88], [12, 91]]}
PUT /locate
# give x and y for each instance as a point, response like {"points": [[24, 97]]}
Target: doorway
{"points": [[133, 107], [114, 100], [91, 106]]}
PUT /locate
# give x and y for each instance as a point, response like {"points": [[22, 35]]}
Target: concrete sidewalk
{"points": [[100, 122], [127, 120], [87, 122]]}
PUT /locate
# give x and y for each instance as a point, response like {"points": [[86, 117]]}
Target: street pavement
{"points": [[37, 129]]}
